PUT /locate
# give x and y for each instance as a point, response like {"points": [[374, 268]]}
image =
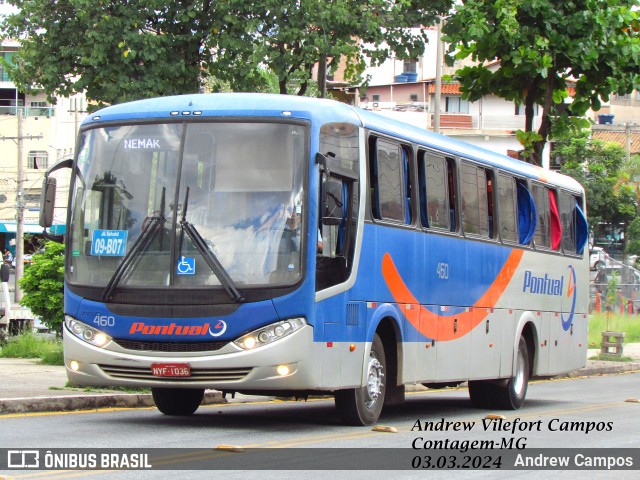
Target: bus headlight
{"points": [[85, 332], [269, 334]]}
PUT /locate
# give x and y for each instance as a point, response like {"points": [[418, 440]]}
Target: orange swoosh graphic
{"points": [[440, 327], [571, 287]]}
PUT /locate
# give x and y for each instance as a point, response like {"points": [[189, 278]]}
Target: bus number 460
{"points": [[442, 270], [104, 320]]}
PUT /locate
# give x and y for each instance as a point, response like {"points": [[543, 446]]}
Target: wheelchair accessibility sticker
{"points": [[186, 266]]}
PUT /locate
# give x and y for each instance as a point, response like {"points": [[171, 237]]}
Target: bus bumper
{"points": [[287, 364]]}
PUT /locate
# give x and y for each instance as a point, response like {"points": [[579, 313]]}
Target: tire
{"points": [[177, 401], [362, 406], [597, 265], [489, 394]]}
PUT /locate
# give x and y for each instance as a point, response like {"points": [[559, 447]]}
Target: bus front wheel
{"points": [[489, 394], [177, 401], [362, 406]]}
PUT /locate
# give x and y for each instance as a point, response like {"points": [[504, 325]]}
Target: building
{"points": [[47, 135], [406, 90]]}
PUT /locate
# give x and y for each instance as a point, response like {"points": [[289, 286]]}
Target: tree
{"points": [[633, 238], [629, 176], [540, 45], [114, 51], [42, 284], [597, 165], [118, 51], [291, 37]]}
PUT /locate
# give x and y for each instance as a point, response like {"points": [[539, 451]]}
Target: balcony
{"points": [[28, 111]]}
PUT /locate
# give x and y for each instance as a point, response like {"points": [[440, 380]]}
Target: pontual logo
{"points": [[142, 328], [571, 293], [542, 285]]}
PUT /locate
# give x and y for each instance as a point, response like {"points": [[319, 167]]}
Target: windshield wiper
{"points": [[209, 256], [149, 231]]}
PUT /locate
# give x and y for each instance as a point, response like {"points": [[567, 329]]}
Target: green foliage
{"points": [[597, 165], [290, 38], [602, 322], [612, 298], [609, 357], [115, 51], [42, 285], [118, 51], [633, 237], [540, 45], [29, 345]]}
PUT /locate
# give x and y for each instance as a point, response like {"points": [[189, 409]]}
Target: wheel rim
{"points": [[519, 380], [374, 382]]}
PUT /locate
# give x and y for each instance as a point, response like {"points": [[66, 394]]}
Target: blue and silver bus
{"points": [[278, 245]]}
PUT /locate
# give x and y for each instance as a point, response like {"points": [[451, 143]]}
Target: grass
{"points": [[28, 345], [608, 357], [599, 322]]}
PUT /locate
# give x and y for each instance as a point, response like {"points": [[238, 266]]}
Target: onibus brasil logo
{"points": [[554, 286]]}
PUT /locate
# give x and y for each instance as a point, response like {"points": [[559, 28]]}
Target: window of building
{"points": [[520, 109], [4, 75], [37, 160], [410, 66], [456, 105], [375, 98], [414, 97]]}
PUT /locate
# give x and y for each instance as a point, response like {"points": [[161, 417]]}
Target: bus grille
{"points": [[197, 374], [170, 347]]}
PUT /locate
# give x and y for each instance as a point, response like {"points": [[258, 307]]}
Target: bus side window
{"points": [[434, 180], [490, 202], [574, 224], [475, 203], [542, 236], [527, 213], [508, 205], [555, 224], [453, 195], [339, 145], [390, 184]]}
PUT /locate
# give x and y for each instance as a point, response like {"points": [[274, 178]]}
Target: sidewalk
{"points": [[27, 386]]}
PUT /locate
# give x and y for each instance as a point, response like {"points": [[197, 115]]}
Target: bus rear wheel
{"points": [[488, 394], [362, 406], [177, 401]]}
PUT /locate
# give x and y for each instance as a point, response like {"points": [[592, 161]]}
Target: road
{"points": [[598, 404]]}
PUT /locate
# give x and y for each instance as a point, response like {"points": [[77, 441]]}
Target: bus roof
{"points": [[321, 111]]}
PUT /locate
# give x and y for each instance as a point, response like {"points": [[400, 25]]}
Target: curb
{"points": [[603, 368], [90, 402]]}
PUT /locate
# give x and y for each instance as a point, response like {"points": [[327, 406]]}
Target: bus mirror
{"points": [[47, 201], [332, 202]]}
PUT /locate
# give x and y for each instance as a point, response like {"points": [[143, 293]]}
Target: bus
{"points": [[278, 245]]}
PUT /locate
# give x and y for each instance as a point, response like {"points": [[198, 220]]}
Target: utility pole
{"points": [[439, 58], [627, 132], [20, 202]]}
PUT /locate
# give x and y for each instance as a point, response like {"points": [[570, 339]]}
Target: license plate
{"points": [[171, 370]]}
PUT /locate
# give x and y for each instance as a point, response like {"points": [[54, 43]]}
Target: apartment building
{"points": [[406, 90], [47, 134]]}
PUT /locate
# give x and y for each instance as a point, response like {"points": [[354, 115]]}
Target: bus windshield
{"points": [[188, 205]]}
